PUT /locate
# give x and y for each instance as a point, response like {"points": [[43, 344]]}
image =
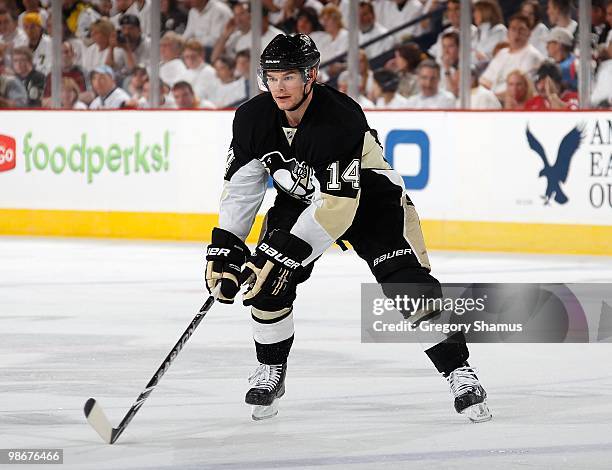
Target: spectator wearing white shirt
{"points": [[491, 30], [70, 95], [237, 27], [308, 23], [343, 5], [609, 21], [519, 55], [38, 42], [206, 21], [393, 13], [366, 76], [202, 76], [600, 29], [453, 15], [449, 76], [95, 54], [77, 44], [369, 29], [602, 91], [78, 17], [172, 69], [166, 100], [104, 7], [109, 95], [121, 8], [480, 97], [185, 98], [385, 92], [335, 39], [560, 14], [268, 32], [229, 90], [405, 62], [283, 13], [539, 31], [10, 35], [135, 83], [343, 84], [236, 35], [129, 47], [430, 97], [142, 9]]}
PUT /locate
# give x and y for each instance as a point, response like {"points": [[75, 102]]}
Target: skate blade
{"points": [[261, 412], [478, 413]]}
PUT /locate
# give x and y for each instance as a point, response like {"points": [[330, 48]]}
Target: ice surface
{"points": [[82, 318]]}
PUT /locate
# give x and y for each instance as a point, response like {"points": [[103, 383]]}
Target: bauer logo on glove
{"points": [[279, 257], [270, 271], [225, 257]]}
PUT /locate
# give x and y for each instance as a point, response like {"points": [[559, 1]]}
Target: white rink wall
{"points": [[472, 175]]}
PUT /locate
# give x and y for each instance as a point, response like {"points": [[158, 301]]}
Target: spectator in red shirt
{"points": [[519, 90], [551, 94], [69, 70]]}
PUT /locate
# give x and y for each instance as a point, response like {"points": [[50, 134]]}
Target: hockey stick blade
{"points": [[93, 411], [98, 420]]}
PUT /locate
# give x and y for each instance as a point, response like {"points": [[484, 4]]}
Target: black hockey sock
{"points": [[449, 354], [275, 353]]}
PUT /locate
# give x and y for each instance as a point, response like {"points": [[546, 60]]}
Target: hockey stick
{"points": [[93, 411]]}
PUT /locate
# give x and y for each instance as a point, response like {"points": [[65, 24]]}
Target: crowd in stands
{"points": [[524, 55]]}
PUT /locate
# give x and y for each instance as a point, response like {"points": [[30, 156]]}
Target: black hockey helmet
{"points": [[288, 52]]}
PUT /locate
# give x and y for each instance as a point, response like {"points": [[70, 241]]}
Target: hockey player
{"points": [[332, 183]]}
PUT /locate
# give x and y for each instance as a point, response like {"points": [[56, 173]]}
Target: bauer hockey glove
{"points": [[225, 256], [270, 271]]}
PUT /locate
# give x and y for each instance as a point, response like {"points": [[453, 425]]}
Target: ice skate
{"points": [[470, 397], [268, 385]]}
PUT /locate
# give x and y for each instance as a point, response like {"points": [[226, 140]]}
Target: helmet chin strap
{"points": [[301, 102]]}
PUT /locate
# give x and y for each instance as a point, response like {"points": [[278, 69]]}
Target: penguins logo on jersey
{"points": [[293, 177]]}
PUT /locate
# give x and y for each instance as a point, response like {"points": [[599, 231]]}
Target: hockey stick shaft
{"points": [[116, 432]]}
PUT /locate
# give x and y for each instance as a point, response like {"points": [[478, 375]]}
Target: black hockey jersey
{"points": [[320, 163]]}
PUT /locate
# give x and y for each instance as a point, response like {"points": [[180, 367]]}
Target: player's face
{"points": [[287, 88]]}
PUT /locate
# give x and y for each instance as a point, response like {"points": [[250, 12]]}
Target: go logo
{"points": [[407, 151], [7, 153]]}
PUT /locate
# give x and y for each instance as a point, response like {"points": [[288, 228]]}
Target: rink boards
{"points": [[476, 178]]}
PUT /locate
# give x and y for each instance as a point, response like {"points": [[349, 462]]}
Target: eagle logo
{"points": [[557, 173]]}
